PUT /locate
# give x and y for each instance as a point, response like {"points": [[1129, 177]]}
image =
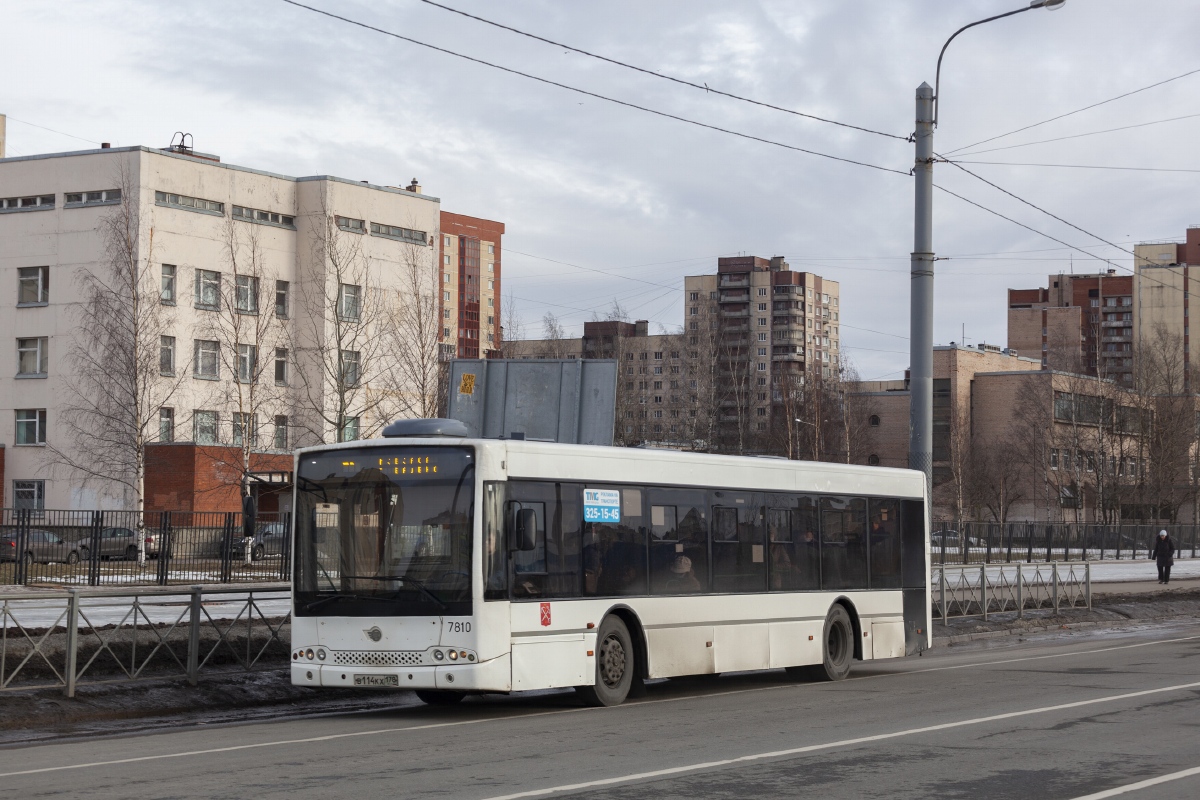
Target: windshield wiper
{"points": [[413, 582], [315, 604]]}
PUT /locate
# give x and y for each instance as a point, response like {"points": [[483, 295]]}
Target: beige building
{"points": [[287, 285], [1168, 276]]}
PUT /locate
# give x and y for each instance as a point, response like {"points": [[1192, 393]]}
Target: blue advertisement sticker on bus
{"points": [[601, 505]]}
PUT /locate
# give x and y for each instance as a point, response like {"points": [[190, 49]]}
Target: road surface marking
{"points": [[660, 773], [1146, 784]]}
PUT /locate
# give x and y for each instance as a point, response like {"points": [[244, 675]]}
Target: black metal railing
{"points": [[100, 548], [996, 542]]}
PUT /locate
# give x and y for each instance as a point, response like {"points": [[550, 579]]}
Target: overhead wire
{"points": [[1076, 111], [704, 87], [587, 93], [1076, 166], [1078, 135], [52, 130]]}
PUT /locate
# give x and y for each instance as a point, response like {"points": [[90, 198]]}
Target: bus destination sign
{"points": [[601, 505]]}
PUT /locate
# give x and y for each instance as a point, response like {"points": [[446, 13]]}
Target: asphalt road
{"points": [[1063, 717]]}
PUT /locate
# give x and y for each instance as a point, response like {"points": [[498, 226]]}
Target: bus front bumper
{"points": [[486, 676]]}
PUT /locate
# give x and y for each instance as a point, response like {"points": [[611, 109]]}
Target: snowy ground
{"points": [[108, 610]]}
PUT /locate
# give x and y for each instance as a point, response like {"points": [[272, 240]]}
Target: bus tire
{"points": [[433, 697], [616, 667], [837, 647]]}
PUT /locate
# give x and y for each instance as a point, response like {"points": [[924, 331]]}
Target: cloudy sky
{"points": [[606, 202]]}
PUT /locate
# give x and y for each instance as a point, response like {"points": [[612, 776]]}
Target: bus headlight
{"points": [[320, 654], [453, 656], [438, 655], [308, 654]]}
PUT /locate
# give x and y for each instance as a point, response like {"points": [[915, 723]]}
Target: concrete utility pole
{"points": [[920, 431]]}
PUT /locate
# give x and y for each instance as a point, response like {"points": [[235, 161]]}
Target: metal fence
{"points": [[977, 591], [87, 636], [995, 542], [94, 548]]}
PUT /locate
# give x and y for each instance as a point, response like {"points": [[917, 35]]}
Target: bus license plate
{"points": [[376, 680]]}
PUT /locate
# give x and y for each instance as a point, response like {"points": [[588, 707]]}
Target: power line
{"points": [[704, 87], [1076, 111], [1078, 135], [60, 133], [1073, 166], [587, 93], [588, 269]]}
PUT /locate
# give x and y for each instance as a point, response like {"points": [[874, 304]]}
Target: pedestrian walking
{"points": [[1164, 554]]}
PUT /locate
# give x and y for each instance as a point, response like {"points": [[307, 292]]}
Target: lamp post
{"points": [[920, 437]]}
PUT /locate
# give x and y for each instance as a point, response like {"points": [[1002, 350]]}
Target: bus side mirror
{"points": [[524, 530]]}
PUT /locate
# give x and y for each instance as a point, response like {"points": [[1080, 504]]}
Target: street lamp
{"points": [[920, 437]]}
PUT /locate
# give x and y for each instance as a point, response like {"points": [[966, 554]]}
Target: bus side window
{"points": [[495, 555], [678, 541], [614, 552], [843, 543], [884, 541], [551, 569], [738, 545], [795, 550]]}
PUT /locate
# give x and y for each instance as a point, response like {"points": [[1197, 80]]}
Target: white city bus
{"points": [[450, 566]]}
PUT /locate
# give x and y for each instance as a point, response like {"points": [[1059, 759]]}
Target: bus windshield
{"points": [[384, 531]]}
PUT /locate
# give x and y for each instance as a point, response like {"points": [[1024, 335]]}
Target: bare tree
{"points": [[512, 327], [340, 339], [416, 377], [554, 338], [249, 339], [120, 380]]}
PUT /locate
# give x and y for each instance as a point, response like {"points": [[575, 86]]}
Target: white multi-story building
{"points": [[277, 303]]}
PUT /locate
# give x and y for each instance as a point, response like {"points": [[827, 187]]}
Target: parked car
{"points": [[41, 546], [117, 543], [271, 540]]}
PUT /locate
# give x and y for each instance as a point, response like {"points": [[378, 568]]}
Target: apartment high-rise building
{"points": [[1168, 277], [469, 250], [1077, 323], [254, 279]]}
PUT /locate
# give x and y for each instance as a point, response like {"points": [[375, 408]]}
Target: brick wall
{"points": [[190, 477]]}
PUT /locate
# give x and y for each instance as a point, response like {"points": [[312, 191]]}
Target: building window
{"points": [[189, 203], [205, 427], [489, 302], [281, 432], [350, 368], [247, 363], [1054, 458], [166, 355], [492, 249], [281, 366], [207, 360], [349, 297], [351, 225], [762, 351], [29, 495], [762, 366], [208, 289], [694, 296], [348, 430], [41, 202], [281, 299], [265, 217], [245, 429], [103, 198], [762, 293], [762, 322], [447, 297], [31, 426], [446, 331], [873, 460], [31, 357], [166, 424], [874, 421], [402, 234], [246, 294], [33, 286]]}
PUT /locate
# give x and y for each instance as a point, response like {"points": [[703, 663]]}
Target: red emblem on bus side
{"points": [[545, 615]]}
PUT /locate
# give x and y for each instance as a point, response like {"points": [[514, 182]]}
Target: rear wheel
{"points": [[257, 553], [29, 559], [437, 698], [838, 649], [616, 665], [72, 557], [84, 554]]}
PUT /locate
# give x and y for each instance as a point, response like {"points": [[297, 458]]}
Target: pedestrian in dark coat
{"points": [[1164, 554]]}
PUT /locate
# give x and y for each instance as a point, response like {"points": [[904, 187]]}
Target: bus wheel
{"points": [[838, 648], [436, 698], [615, 667]]}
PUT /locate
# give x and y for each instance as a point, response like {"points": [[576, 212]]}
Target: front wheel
{"points": [[838, 649], [436, 698], [257, 553], [615, 665], [72, 557]]}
